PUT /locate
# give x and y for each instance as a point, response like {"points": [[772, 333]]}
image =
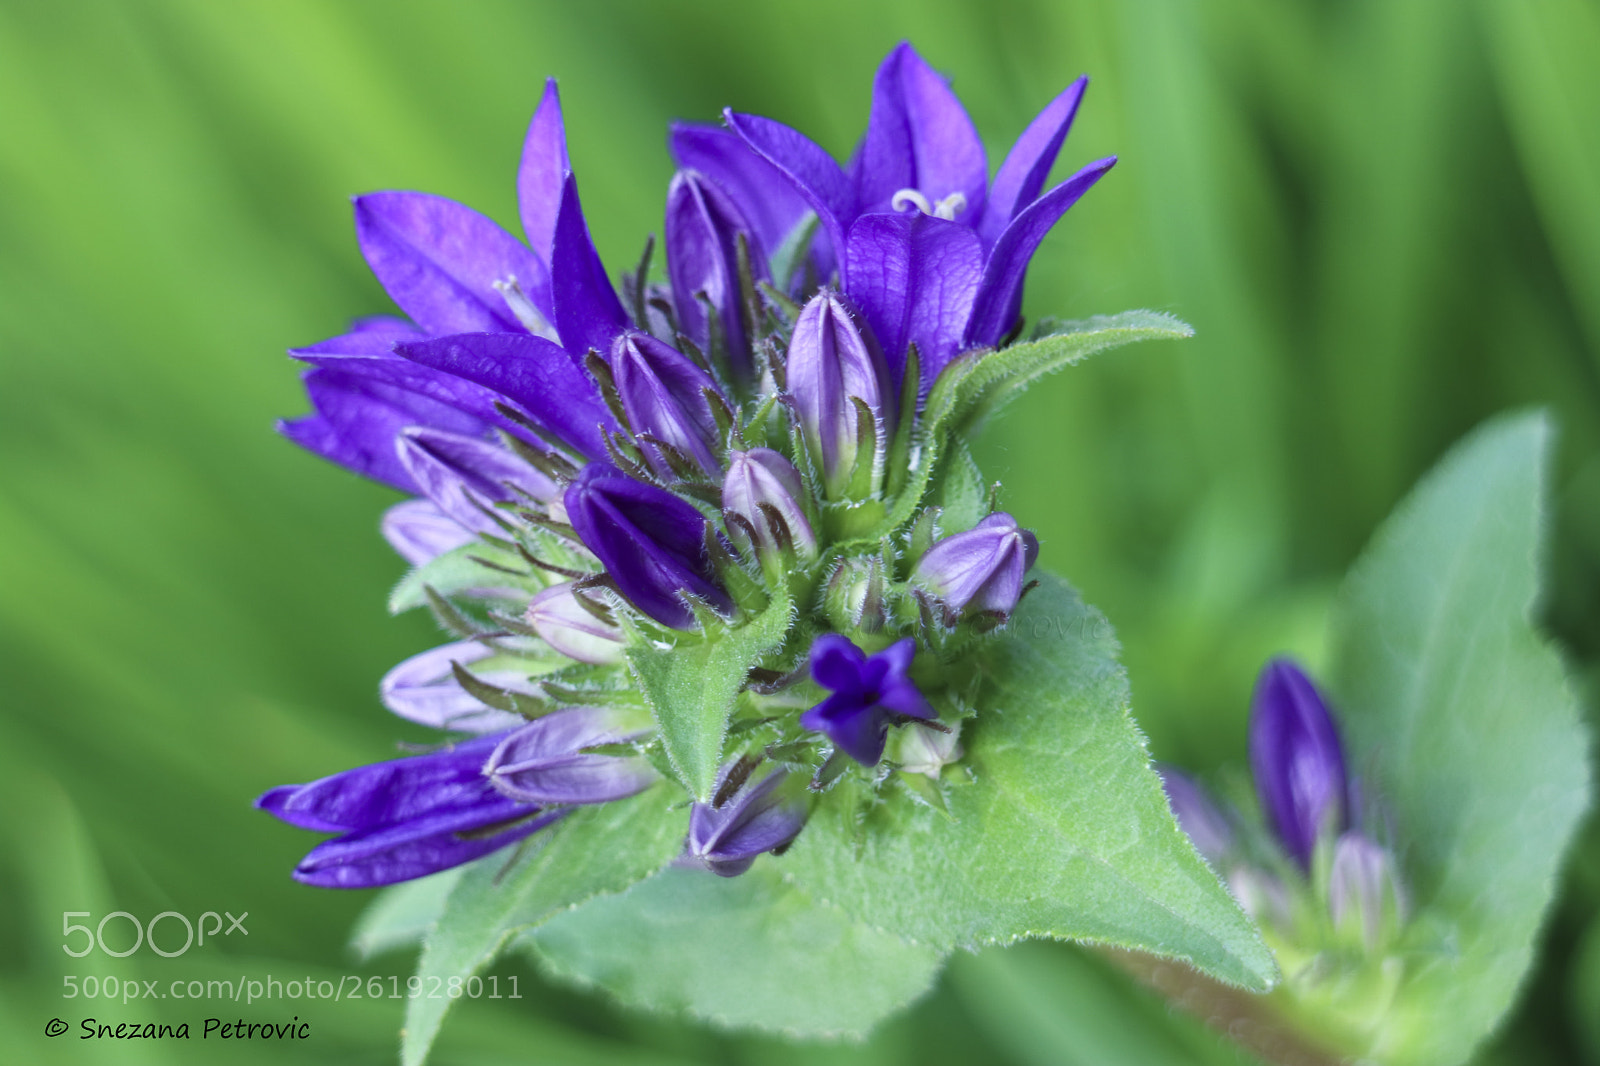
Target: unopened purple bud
{"points": [[870, 692], [664, 396], [1364, 895], [764, 489], [544, 761], [703, 231], [463, 475], [419, 532], [1296, 759], [832, 358], [1200, 818], [573, 629], [424, 689], [651, 543], [981, 570], [759, 816]]}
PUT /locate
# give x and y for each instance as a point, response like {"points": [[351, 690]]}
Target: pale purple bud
{"points": [[1296, 759], [664, 396], [832, 358], [703, 230], [424, 689], [764, 489], [544, 762], [980, 570], [1200, 818], [1262, 895], [572, 629], [1364, 896], [419, 532], [759, 816]]}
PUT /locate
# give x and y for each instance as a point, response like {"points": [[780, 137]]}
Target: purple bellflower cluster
{"points": [[598, 474], [1312, 871]]}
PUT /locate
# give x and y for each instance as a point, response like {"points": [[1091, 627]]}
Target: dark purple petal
{"points": [[440, 260], [759, 817], [703, 227], [833, 357], [424, 689], [870, 691], [415, 849], [543, 762], [857, 727], [358, 417], [588, 315], [651, 543], [765, 196], [1296, 759], [543, 171], [1028, 164], [919, 137], [664, 395], [981, 569], [1201, 819], [387, 793], [899, 696], [836, 662], [534, 374], [1000, 295], [813, 172], [915, 278], [465, 475]]}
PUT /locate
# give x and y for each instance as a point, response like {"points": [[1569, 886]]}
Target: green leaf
{"points": [[749, 952], [591, 852], [401, 915], [691, 689], [975, 386], [1064, 831], [1465, 728], [457, 571]]}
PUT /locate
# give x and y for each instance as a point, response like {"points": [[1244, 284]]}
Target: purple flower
{"points": [[765, 816], [1200, 818], [424, 689], [544, 761], [869, 692], [1296, 759], [463, 476], [948, 277], [419, 532], [404, 818], [573, 629], [982, 569], [651, 542], [764, 490], [664, 396], [703, 230], [832, 360]]}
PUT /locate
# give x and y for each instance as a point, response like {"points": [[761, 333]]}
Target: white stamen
{"points": [[522, 307], [911, 198]]}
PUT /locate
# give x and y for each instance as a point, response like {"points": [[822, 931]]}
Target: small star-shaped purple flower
{"points": [[869, 693]]}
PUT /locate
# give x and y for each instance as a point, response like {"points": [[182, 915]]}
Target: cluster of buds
{"points": [[598, 473], [1312, 870]]}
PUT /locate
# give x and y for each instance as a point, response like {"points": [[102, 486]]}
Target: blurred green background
{"points": [[1382, 216]]}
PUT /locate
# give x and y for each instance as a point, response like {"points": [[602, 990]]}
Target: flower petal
{"points": [[1000, 296], [766, 197], [1028, 164], [543, 171], [419, 532], [587, 313], [464, 475], [812, 171], [439, 261], [415, 849], [919, 137], [836, 662]]}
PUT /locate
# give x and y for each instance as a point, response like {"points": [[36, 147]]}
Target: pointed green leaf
{"points": [[1465, 729], [593, 851], [1063, 832], [691, 689], [748, 952]]}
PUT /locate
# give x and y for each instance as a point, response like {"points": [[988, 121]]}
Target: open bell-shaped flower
{"points": [[869, 692], [758, 816], [652, 544], [761, 496], [833, 363], [1296, 760], [981, 570], [544, 762]]}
